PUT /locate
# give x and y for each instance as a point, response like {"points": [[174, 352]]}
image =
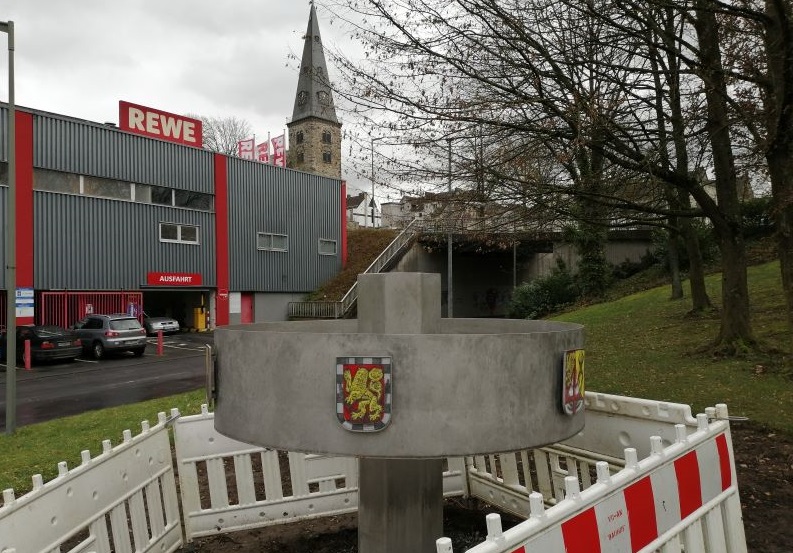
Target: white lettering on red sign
{"points": [[160, 124], [175, 278]]}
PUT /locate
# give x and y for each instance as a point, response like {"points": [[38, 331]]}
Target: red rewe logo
{"points": [[160, 124]]}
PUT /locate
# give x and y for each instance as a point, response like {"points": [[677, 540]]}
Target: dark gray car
{"points": [[102, 334]]}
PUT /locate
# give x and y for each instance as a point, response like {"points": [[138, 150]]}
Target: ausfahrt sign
{"points": [[173, 279], [159, 124]]}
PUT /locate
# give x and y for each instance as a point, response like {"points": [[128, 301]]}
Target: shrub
{"points": [[628, 268], [756, 218], [544, 295]]}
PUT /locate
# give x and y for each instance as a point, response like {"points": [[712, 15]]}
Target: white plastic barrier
{"points": [[122, 500], [682, 497], [319, 485], [613, 423], [125, 499]]}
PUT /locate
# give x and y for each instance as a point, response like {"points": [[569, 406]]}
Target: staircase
{"points": [[344, 308]]}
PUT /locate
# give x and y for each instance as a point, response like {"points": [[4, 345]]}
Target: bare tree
{"points": [[579, 81], [221, 134]]}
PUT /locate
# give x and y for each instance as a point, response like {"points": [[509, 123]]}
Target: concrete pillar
{"points": [[400, 501], [400, 505]]}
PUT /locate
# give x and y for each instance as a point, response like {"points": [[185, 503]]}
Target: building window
{"points": [[193, 200], [299, 137], [327, 137], [161, 195], [301, 157], [55, 181], [326, 157], [268, 241], [181, 234], [327, 247], [107, 188]]}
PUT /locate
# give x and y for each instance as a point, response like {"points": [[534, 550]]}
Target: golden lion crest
{"points": [[363, 393]]}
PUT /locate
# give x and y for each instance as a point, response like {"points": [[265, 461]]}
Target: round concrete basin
{"points": [[471, 386]]}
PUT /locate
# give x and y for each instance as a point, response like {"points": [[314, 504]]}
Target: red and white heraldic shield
{"points": [[363, 393]]}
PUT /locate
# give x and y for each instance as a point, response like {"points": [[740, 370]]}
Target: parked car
{"points": [[101, 334], [47, 342], [168, 325]]}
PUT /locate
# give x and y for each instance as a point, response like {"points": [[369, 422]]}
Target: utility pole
{"points": [[11, 265], [449, 278]]}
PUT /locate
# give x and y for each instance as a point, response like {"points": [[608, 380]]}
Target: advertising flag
{"points": [[263, 152], [279, 153], [245, 148]]}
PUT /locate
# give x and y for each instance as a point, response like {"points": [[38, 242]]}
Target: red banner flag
{"points": [[279, 153], [245, 148], [263, 152]]}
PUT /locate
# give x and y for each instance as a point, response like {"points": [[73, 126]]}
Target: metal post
{"points": [[449, 274], [514, 264], [11, 269]]}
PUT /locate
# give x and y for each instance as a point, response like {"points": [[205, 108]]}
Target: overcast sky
{"points": [[220, 59]]}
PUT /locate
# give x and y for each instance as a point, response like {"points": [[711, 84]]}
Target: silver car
{"points": [[101, 334], [153, 325]]}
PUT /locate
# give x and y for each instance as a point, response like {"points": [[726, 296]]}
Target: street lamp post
{"points": [[11, 269], [372, 139], [450, 277]]}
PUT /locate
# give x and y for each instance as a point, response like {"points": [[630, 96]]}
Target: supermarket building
{"points": [[109, 221], [139, 218]]}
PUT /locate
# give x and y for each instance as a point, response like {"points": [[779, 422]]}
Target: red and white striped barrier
{"points": [[658, 503]]}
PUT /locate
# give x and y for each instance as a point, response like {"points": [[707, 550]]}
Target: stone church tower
{"points": [[314, 131]]}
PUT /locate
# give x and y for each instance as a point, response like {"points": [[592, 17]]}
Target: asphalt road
{"points": [[50, 391]]}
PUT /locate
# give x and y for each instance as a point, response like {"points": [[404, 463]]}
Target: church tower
{"points": [[314, 131]]}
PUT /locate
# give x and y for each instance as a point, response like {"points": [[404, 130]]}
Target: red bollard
{"points": [[26, 355], [159, 342]]}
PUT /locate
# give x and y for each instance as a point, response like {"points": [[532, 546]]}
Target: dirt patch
{"points": [[765, 478]]}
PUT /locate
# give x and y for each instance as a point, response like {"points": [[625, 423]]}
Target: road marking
{"points": [[180, 346], [85, 360]]}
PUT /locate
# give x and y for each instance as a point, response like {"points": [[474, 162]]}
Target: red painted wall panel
{"points": [[343, 224], [24, 203], [221, 240]]}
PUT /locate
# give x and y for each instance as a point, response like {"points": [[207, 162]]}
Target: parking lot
{"points": [[53, 390]]}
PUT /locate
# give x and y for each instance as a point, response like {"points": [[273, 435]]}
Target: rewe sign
{"points": [[159, 124]]}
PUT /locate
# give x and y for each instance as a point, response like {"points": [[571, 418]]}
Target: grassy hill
{"points": [[363, 247], [644, 345]]}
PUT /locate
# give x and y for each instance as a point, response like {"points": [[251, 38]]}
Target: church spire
{"points": [[314, 96]]}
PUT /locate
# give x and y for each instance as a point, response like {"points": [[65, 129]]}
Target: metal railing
{"points": [[339, 309]]}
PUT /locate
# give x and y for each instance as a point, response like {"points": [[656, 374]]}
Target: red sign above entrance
{"points": [[173, 279], [159, 124]]}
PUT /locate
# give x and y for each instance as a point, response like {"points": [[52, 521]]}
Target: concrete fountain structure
{"points": [[401, 389]]}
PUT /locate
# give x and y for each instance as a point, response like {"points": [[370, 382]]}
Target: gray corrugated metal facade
{"points": [[99, 244], [302, 206], [85, 242]]}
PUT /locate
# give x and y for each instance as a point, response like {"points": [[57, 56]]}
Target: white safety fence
{"points": [[228, 485], [122, 500], [682, 497], [126, 500]]}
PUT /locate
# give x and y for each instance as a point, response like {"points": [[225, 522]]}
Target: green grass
{"points": [[645, 345], [38, 448], [640, 345]]}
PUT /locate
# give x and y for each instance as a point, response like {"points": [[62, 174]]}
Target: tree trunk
{"points": [[673, 256], [700, 301], [779, 168], [736, 331], [779, 124]]}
